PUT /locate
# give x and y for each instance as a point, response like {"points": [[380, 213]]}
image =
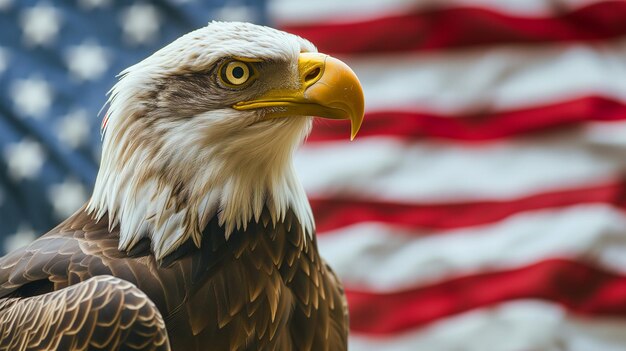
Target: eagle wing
{"points": [[58, 293], [103, 312]]}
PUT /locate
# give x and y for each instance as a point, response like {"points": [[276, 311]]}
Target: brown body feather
{"points": [[265, 288]]}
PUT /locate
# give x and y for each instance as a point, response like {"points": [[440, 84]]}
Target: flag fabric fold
{"points": [[481, 207]]}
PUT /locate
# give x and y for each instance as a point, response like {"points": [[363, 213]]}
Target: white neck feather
{"points": [[166, 184]]}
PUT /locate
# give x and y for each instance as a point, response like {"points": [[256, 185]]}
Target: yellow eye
{"points": [[236, 73]]}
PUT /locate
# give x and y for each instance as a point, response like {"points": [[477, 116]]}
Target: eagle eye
{"points": [[236, 73]]}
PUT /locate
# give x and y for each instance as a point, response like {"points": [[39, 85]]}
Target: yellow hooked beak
{"points": [[328, 88]]}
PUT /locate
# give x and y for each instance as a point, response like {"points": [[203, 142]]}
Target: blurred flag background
{"points": [[480, 208]]}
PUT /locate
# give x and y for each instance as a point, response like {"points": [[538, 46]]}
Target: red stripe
{"points": [[576, 286], [478, 126], [462, 27], [334, 213]]}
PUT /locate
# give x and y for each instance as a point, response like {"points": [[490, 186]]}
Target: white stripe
{"points": [[512, 326], [399, 171], [609, 134], [491, 79], [379, 257], [299, 12]]}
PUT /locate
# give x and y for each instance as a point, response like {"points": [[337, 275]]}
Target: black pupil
{"points": [[238, 72]]}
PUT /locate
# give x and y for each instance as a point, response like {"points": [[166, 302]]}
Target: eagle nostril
{"points": [[312, 76]]}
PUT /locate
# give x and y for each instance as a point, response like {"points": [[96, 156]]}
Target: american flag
{"points": [[480, 208]]}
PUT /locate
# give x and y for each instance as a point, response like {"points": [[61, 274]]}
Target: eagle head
{"points": [[207, 126]]}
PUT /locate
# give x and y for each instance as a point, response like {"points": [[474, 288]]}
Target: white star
{"points": [[22, 237], [92, 4], [5, 4], [87, 61], [4, 59], [40, 24], [236, 13], [24, 159], [32, 96], [67, 197], [73, 129], [140, 23]]}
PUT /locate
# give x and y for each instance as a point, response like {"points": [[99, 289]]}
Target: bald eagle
{"points": [[198, 234]]}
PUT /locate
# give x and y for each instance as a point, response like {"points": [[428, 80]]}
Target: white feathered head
{"points": [[207, 126]]}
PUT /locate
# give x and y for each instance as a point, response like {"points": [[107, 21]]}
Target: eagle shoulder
{"points": [[76, 250]]}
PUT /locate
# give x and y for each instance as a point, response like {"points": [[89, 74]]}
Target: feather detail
{"points": [[100, 313]]}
